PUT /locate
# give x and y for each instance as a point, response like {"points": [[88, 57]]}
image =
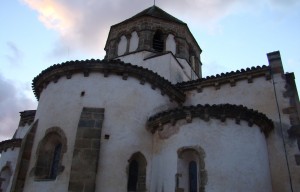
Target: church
{"points": [[144, 119]]}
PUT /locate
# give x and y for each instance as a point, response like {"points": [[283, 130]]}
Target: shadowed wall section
{"points": [[86, 151]]}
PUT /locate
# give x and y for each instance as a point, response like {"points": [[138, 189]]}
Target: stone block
{"points": [[91, 133], [86, 123], [76, 186], [83, 143]]}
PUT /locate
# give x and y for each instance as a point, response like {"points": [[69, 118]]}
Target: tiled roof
{"points": [[156, 12]]}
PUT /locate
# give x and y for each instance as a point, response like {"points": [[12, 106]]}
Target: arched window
{"points": [[49, 154], [193, 172], [5, 176], [137, 173], [158, 41]]}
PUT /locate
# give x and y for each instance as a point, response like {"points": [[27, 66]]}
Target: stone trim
{"points": [[117, 67], [43, 164], [294, 106], [24, 159], [26, 117], [11, 143], [205, 112], [226, 78], [86, 151]]}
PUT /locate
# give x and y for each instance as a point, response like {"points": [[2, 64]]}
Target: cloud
{"points": [[13, 99], [84, 25], [15, 57]]}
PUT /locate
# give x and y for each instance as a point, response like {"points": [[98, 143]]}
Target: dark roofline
{"points": [[11, 143], [117, 67], [205, 112]]}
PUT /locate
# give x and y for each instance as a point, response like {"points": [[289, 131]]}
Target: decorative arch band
{"points": [[107, 67], [205, 112]]}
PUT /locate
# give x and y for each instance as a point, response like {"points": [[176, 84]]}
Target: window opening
{"points": [[158, 42], [193, 176], [133, 176], [55, 161]]}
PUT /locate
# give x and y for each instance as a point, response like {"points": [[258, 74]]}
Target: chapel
{"points": [[144, 119]]}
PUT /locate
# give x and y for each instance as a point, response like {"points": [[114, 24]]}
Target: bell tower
{"points": [[158, 41]]}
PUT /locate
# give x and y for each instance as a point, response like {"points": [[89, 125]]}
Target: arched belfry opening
{"points": [[158, 41]]}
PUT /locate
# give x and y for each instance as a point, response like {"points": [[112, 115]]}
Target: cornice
{"points": [[230, 77], [107, 67], [12, 143], [27, 117], [205, 112]]}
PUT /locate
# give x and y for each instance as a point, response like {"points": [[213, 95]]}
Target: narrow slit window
{"points": [[193, 176], [55, 161]]}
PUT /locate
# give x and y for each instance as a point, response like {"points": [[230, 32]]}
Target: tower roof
{"points": [[156, 12]]}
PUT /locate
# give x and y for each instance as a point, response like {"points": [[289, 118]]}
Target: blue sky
{"points": [[233, 34]]}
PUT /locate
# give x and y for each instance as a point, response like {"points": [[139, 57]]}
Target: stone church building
{"points": [[144, 119]]}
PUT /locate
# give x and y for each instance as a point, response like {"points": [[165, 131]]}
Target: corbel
{"points": [[268, 75], [250, 79], [199, 89], [223, 117], [142, 81], [55, 78], [125, 76], [250, 122], [217, 85], [105, 72], [86, 73], [188, 117], [69, 75], [238, 120], [232, 82]]}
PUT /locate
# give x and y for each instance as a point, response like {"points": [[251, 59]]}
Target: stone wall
{"points": [[86, 151]]}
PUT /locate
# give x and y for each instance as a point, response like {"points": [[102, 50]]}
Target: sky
{"points": [[233, 34]]}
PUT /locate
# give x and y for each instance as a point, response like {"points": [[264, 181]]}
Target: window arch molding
{"points": [[50, 153], [136, 171], [199, 155]]}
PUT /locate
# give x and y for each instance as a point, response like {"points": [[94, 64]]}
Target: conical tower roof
{"points": [[157, 12]]}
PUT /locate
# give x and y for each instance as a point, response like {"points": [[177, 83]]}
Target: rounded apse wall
{"points": [[235, 156]]}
